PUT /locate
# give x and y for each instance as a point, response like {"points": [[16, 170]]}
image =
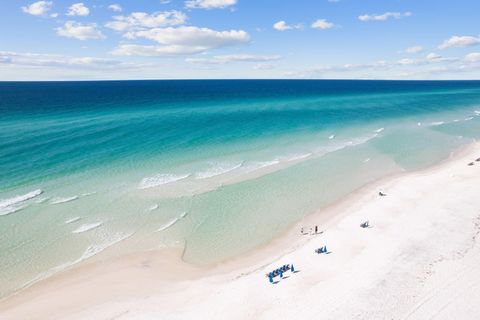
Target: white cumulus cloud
{"points": [[59, 61], [264, 66], [38, 8], [115, 7], [209, 4], [180, 40], [154, 50], [385, 16], [78, 9], [459, 41], [322, 24], [433, 56], [246, 58], [282, 26], [473, 57], [406, 62], [140, 20], [414, 49], [72, 29], [222, 59]]}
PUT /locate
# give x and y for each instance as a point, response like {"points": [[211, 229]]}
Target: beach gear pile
{"points": [[280, 271], [321, 250], [366, 224]]}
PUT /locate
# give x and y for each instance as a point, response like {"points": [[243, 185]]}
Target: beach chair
{"points": [[321, 250]]}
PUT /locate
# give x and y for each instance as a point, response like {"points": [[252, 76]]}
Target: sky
{"points": [[239, 39]]}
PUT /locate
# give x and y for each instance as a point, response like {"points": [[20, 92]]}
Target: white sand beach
{"points": [[419, 259]]}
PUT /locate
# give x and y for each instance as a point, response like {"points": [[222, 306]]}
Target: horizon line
{"points": [[239, 79]]}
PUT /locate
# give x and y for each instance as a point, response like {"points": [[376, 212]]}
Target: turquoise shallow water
{"points": [[218, 166]]}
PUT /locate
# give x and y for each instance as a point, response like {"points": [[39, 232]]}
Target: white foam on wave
{"points": [[331, 137], [477, 112], [12, 205], [256, 165], [456, 120], [344, 144], [419, 124], [19, 199], [379, 130], [437, 123], [296, 157], [366, 160], [153, 207], [172, 222], [160, 179], [468, 118], [88, 253], [217, 170], [360, 140], [88, 194], [87, 227], [41, 200], [63, 200], [9, 210], [97, 248], [71, 220]]}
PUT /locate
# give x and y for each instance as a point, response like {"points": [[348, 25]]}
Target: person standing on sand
{"points": [[316, 229]]}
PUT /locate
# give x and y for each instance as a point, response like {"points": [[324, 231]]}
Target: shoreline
{"points": [[249, 268]]}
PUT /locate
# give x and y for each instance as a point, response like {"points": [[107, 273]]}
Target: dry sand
{"points": [[420, 259]]}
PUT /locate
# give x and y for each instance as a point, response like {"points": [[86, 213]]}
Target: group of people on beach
{"points": [[322, 250], [315, 230], [286, 267], [365, 224], [312, 230], [280, 271], [472, 163]]}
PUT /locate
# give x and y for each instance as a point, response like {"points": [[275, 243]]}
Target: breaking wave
{"points": [[12, 205], [261, 164], [217, 170], [153, 207], [71, 220], [87, 227], [172, 222], [88, 253], [299, 156], [160, 179], [63, 200]]}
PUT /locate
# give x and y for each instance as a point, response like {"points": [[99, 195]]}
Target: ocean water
{"points": [[90, 170]]}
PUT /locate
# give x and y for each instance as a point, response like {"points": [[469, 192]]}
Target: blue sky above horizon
{"points": [[161, 39]]}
